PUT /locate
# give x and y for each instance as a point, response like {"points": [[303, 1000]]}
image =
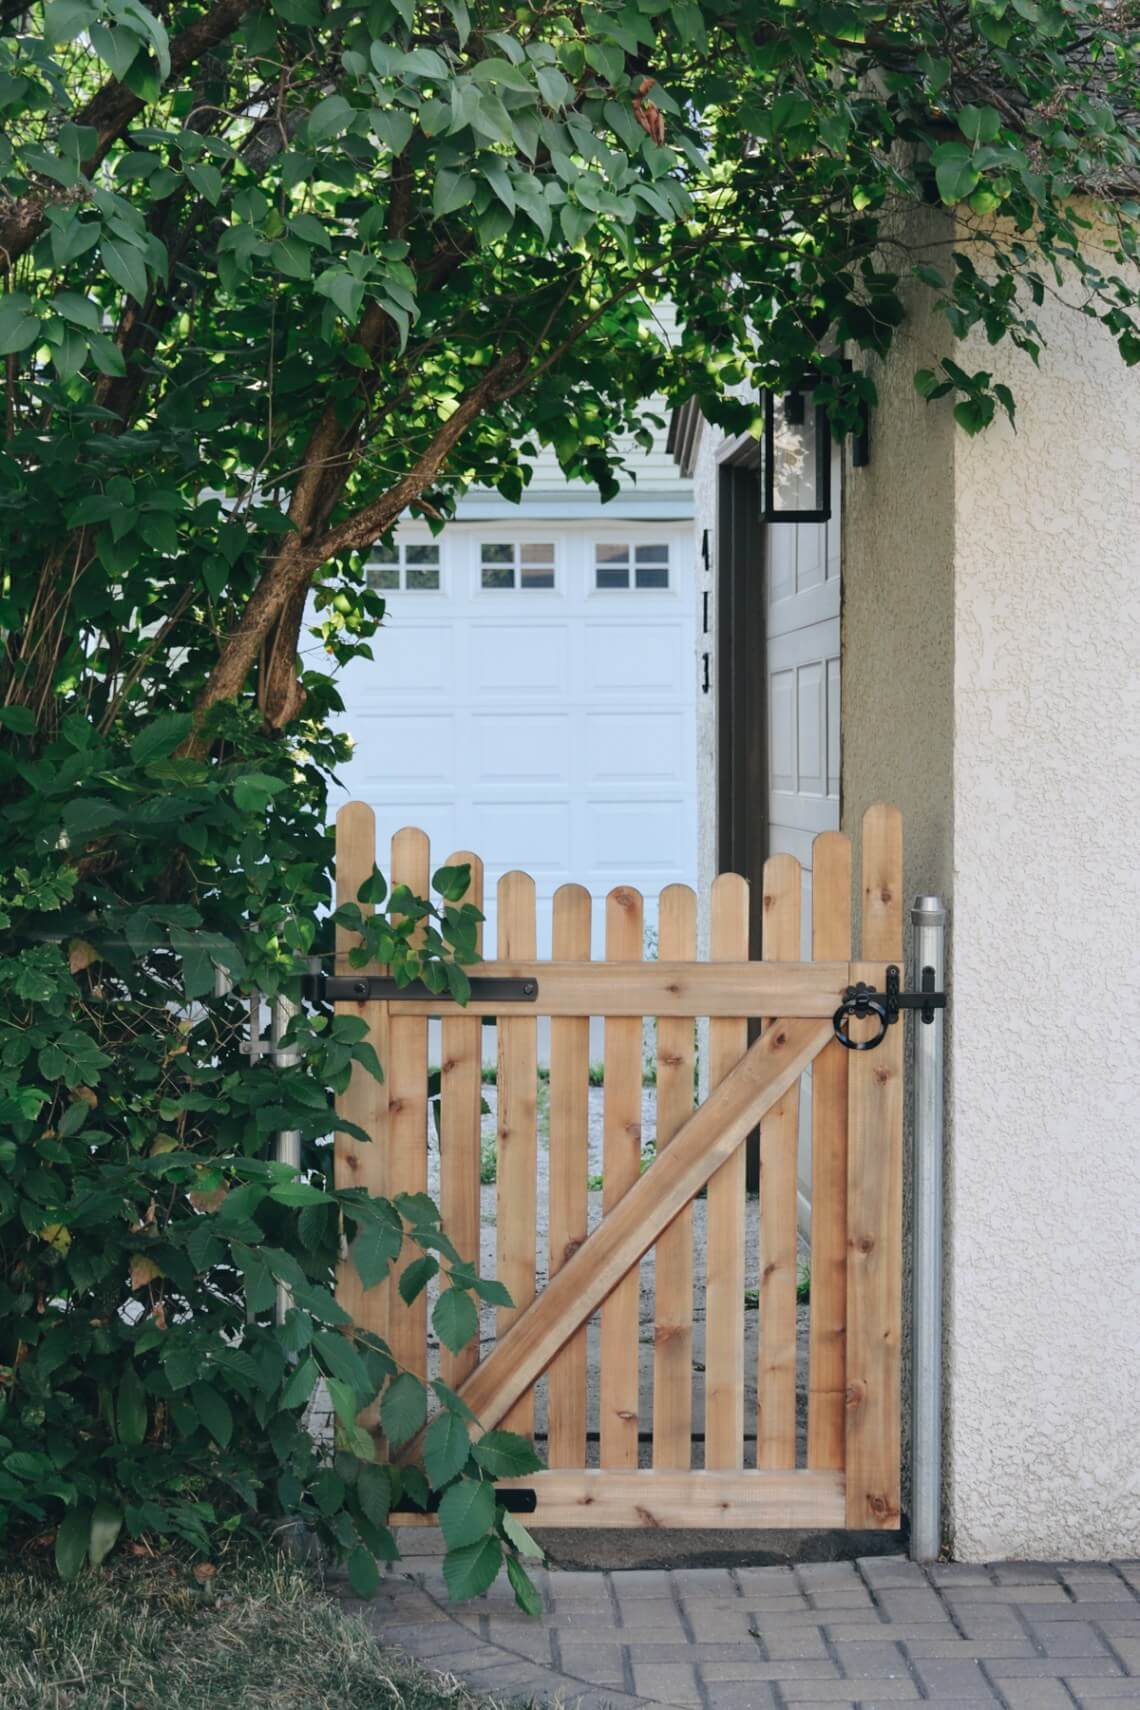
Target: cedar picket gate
{"points": [[851, 1476]]}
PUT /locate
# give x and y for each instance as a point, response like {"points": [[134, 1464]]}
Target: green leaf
{"points": [[106, 1524], [125, 265], [453, 190], [363, 1573], [470, 1571], [526, 1592], [254, 791], [329, 118], [19, 327], [131, 1408], [21, 720], [117, 48], [159, 739], [466, 1512], [455, 1319], [206, 179], [71, 1540], [298, 1193], [374, 1493], [954, 172], [214, 1412], [373, 1252], [415, 1278], [520, 1537], [979, 124], [504, 1454], [446, 1447], [300, 1386], [403, 1409]]}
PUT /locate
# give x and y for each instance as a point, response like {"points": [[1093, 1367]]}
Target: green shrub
{"points": [[146, 1385]]}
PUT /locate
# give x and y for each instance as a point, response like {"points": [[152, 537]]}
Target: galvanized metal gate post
{"points": [[929, 920]]}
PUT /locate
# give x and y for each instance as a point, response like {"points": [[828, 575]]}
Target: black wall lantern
{"points": [[797, 459]]}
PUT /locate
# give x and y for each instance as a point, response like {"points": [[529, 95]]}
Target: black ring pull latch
{"points": [[863, 1000]]}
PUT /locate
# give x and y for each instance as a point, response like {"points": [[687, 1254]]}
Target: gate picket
{"points": [[516, 1190], [724, 1280], [779, 1134], [673, 1259], [874, 1202], [621, 1166], [460, 1131], [407, 1071], [365, 1101], [827, 1357], [569, 1174]]}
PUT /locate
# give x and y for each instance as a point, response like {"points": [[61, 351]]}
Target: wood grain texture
{"points": [[407, 1114], [874, 1203], [721, 1500], [365, 1100], [632, 989], [673, 1258], [460, 1130], [516, 1190], [832, 901], [724, 1282], [759, 1080], [621, 1168], [569, 1175], [779, 1135]]}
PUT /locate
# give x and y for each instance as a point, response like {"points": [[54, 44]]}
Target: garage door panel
{"points": [[517, 661], [412, 661], [533, 835], [504, 748], [416, 747], [628, 747], [626, 837], [636, 658]]}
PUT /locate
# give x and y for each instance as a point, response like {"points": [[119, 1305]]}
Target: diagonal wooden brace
{"points": [[714, 1131]]}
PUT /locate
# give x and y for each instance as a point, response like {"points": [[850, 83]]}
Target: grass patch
{"points": [[146, 1635]]}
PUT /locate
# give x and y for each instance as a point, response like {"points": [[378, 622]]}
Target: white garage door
{"points": [[532, 698]]}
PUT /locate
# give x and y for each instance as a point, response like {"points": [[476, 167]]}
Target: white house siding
{"points": [[992, 683]]}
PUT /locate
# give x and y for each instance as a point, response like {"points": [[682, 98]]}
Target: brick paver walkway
{"points": [[1027, 1636]]}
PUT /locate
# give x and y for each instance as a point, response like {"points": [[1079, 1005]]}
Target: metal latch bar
{"points": [[382, 988], [862, 1000]]}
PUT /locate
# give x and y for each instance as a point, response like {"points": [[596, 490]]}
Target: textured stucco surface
{"points": [[1045, 1283]]}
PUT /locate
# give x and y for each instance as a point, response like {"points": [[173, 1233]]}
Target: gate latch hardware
{"points": [[381, 988], [862, 1000]]}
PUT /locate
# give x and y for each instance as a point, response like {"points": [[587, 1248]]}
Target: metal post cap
{"points": [[927, 910]]}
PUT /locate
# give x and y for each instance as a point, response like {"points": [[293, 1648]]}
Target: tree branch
{"points": [[109, 111]]}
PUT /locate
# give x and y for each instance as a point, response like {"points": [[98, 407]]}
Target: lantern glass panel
{"points": [[795, 445]]}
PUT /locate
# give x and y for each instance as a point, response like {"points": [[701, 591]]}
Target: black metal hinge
{"points": [[381, 988], [862, 1000]]}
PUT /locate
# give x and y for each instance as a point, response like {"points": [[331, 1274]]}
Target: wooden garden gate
{"points": [[850, 1475]]}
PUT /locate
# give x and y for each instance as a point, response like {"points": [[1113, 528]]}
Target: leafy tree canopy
{"points": [[276, 272]]}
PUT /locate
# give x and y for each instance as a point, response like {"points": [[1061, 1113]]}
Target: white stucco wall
{"points": [[1045, 1282], [991, 670]]}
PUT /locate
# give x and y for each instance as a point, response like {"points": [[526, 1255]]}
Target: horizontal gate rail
{"points": [[731, 989], [704, 1500]]}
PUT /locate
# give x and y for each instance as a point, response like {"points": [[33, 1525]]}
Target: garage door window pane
{"points": [[508, 564], [650, 566], [653, 576], [383, 578]]}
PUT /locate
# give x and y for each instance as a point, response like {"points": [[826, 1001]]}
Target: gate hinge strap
{"points": [[862, 1000]]}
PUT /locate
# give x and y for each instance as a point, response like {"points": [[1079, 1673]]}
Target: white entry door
{"points": [[803, 594], [531, 697]]}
